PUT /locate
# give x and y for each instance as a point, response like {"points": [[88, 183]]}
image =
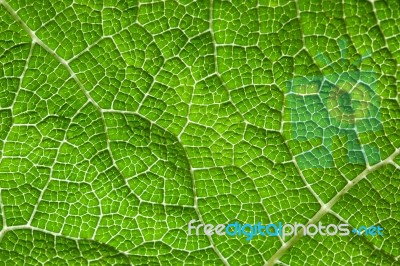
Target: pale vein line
{"points": [[196, 205], [3, 216], [42, 192], [327, 207], [368, 241], [64, 63], [4, 220], [215, 54], [195, 197], [308, 186], [55, 235], [35, 39]]}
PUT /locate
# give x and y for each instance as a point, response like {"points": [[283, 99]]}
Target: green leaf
{"points": [[122, 121]]}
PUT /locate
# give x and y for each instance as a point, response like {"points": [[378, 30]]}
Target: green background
{"points": [[121, 121]]}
